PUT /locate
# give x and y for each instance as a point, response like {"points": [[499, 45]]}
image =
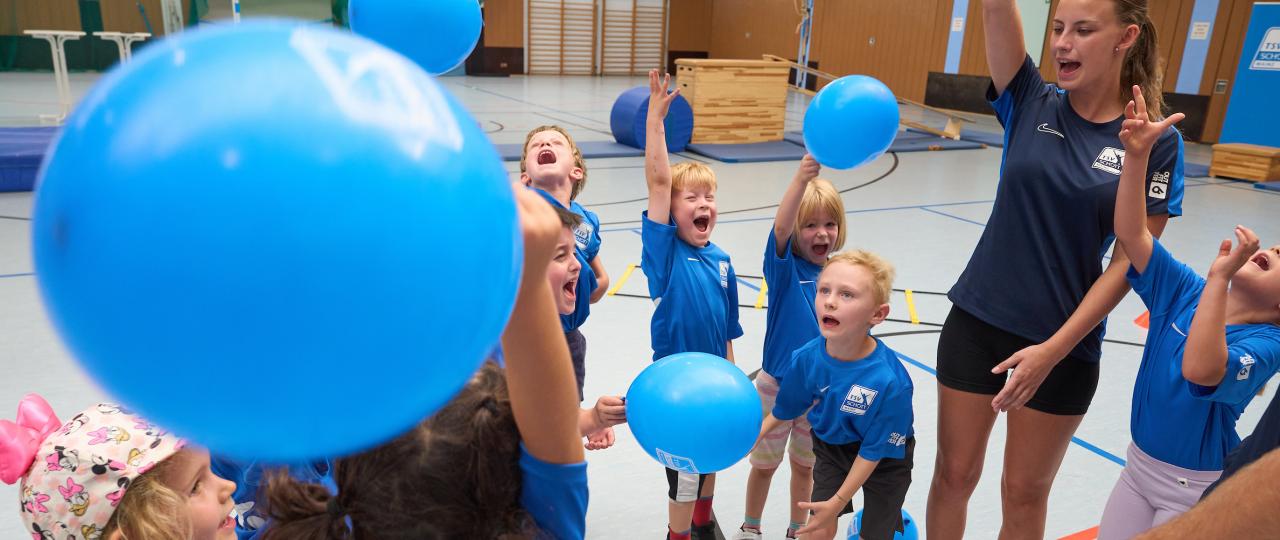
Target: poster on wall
{"points": [[1253, 112]]}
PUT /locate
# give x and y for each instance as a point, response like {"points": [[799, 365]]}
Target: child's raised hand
{"points": [[1230, 260], [659, 99], [540, 227], [610, 411], [1139, 133], [809, 168]]}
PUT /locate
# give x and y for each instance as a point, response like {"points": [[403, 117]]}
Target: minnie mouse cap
{"points": [[74, 474]]}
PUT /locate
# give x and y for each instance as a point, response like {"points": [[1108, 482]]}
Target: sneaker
{"points": [[706, 531], [747, 534]]}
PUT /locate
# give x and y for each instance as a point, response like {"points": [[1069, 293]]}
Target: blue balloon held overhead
{"points": [[437, 34], [850, 122], [694, 412], [275, 270]]}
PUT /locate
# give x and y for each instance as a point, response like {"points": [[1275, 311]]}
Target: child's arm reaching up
{"points": [[784, 221], [1138, 135], [1204, 361], [657, 165], [544, 395]]}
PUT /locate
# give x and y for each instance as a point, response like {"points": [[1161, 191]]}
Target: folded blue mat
{"points": [[1195, 170], [1267, 186], [589, 149], [750, 152], [21, 151]]}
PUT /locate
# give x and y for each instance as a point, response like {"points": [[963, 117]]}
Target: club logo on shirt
{"points": [[897, 439], [858, 400], [1044, 128], [582, 234], [1159, 188], [1246, 366], [1110, 160], [724, 274]]}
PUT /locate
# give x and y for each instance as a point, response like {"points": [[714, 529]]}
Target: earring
{"points": [[1117, 49]]}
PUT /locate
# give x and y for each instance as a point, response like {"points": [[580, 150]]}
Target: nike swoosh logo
{"points": [[824, 389], [1044, 128], [1178, 330], [803, 282], [693, 259]]}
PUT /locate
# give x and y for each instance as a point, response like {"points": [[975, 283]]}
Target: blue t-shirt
{"points": [[694, 290], [250, 519], [1051, 222], [587, 240], [555, 496], [1167, 421], [791, 320], [866, 401]]}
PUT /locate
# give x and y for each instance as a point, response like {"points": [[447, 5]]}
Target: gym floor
{"points": [[923, 211]]}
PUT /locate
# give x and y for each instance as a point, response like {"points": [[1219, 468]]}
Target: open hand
{"points": [[1139, 133], [1033, 364], [1230, 260], [659, 99]]}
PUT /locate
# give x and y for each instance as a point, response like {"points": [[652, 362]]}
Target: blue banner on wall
{"points": [[1254, 112]]}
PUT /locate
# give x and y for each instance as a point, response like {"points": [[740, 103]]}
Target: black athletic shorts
{"points": [[882, 494], [683, 487], [969, 347]]}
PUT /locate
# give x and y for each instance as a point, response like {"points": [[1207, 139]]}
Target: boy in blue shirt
{"points": [[860, 396], [1209, 350], [692, 284], [552, 164]]}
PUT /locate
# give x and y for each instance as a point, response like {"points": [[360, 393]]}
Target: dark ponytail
{"points": [[1142, 61], [303, 510]]}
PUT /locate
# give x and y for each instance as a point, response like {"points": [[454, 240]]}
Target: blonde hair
{"points": [[882, 272], [691, 175], [577, 156], [820, 195], [151, 510]]}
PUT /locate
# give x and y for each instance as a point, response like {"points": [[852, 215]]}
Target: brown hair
{"points": [[1142, 61], [882, 272], [454, 475], [821, 195], [568, 220], [150, 510], [577, 156]]}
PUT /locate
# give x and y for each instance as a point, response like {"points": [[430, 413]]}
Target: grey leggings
{"points": [[1149, 493]]}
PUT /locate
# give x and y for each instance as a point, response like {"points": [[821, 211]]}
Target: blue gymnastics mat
{"points": [[1267, 186], [908, 141], [750, 152], [21, 150], [972, 135], [590, 149], [1195, 170]]}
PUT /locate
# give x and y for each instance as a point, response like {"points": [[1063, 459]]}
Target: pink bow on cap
{"points": [[19, 441]]}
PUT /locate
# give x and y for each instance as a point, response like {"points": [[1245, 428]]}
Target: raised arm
{"points": [[1139, 135], [657, 165], [1005, 47], [544, 396], [1205, 360], [784, 221]]}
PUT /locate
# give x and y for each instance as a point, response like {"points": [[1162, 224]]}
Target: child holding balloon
{"points": [[109, 473], [692, 283], [552, 164], [502, 458], [858, 397], [808, 227], [1213, 344]]}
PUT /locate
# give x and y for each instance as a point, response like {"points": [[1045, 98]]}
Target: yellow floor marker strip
{"points": [[625, 275], [764, 288], [911, 307]]}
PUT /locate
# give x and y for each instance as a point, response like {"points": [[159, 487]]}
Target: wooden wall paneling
{"points": [[690, 25], [1218, 41], [504, 23], [973, 54], [1233, 29], [746, 29], [40, 15], [562, 37], [898, 43]]}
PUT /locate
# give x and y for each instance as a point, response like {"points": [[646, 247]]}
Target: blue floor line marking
{"points": [[1080, 442], [749, 286], [932, 211], [858, 211], [2, 276]]}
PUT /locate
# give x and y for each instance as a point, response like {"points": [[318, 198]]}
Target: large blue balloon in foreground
{"points": [[437, 34], [694, 412], [850, 122], [281, 241]]}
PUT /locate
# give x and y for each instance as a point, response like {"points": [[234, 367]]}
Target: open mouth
{"points": [[829, 322], [546, 157], [228, 522], [1262, 260], [821, 249], [702, 223], [1066, 67], [571, 290]]}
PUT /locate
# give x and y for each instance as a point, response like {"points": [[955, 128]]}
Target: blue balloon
{"points": [[694, 412], [275, 269], [437, 34], [909, 529], [850, 122]]}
